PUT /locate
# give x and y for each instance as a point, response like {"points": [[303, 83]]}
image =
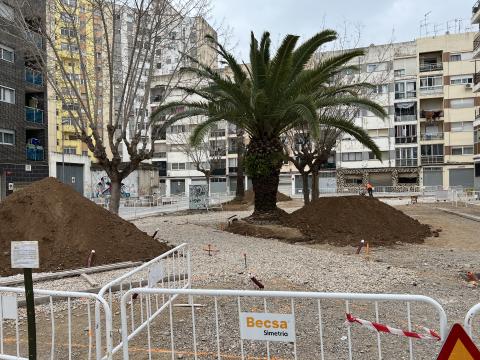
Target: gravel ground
{"points": [[408, 269], [430, 269]]}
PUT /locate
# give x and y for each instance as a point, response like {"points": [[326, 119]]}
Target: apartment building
{"points": [[426, 88], [68, 21], [476, 88], [23, 96]]}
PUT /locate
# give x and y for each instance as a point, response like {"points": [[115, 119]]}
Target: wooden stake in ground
{"points": [[32, 334]]}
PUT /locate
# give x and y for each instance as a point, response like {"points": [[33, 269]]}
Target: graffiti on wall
{"points": [[198, 196], [101, 185]]}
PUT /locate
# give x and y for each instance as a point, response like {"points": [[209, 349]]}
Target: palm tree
{"points": [[269, 97]]}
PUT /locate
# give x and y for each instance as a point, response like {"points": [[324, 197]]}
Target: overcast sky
{"points": [[377, 19]]}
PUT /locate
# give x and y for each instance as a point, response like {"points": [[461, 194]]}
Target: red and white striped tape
{"points": [[429, 334]]}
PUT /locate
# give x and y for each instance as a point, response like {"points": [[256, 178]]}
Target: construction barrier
{"points": [[468, 322], [170, 270], [58, 336], [240, 324]]}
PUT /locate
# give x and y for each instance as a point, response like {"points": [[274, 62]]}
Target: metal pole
{"points": [[32, 336], [63, 156]]}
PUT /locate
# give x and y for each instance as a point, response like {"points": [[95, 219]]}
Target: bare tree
{"points": [[309, 155], [102, 58], [206, 156]]}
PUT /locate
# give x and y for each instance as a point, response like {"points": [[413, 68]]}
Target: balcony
{"points": [[431, 67], [34, 37], [406, 140], [160, 155], [232, 170], [430, 137], [431, 90], [33, 115], [476, 82], [33, 77], [406, 162], [400, 118], [217, 133], [476, 13], [430, 115], [34, 153], [432, 159]]}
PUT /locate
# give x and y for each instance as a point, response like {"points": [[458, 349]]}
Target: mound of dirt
{"points": [[346, 220], [248, 200], [67, 227]]}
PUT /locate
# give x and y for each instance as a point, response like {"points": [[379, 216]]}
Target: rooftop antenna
{"points": [[424, 23]]}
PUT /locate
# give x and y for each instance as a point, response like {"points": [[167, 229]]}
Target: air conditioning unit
{"points": [[468, 86]]}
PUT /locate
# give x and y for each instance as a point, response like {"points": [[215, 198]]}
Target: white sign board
{"points": [[155, 275], [9, 307], [24, 255], [267, 326]]}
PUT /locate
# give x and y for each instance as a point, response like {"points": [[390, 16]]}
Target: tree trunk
{"points": [[240, 190], [115, 190], [306, 189], [207, 177], [264, 161], [315, 190]]}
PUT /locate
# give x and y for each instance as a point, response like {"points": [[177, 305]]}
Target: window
{"points": [[462, 150], [7, 137], [381, 89], [168, 61], [67, 17], [7, 95], [406, 156], [405, 134], [352, 156], [462, 126], [431, 81], [178, 166], [399, 72], [69, 47], [384, 154], [70, 150], [177, 129], [372, 67], [455, 57], [233, 162], [461, 103], [461, 79], [70, 2], [6, 53], [68, 32], [159, 65], [6, 11], [378, 132], [405, 89]]}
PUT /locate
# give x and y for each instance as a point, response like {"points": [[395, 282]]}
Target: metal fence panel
{"points": [[213, 329], [65, 324]]}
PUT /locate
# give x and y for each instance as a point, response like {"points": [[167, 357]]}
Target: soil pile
{"points": [[345, 220], [67, 227]]}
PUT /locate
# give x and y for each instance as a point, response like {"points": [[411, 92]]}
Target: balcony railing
{"points": [[431, 114], [217, 133], [33, 77], [33, 115], [477, 114], [476, 7], [476, 78], [432, 159], [431, 90], [406, 162], [428, 137], [408, 95], [232, 170], [400, 118], [406, 140], [35, 38], [431, 67], [34, 154]]}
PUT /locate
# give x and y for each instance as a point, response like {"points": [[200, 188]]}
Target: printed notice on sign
{"points": [[24, 255], [267, 326]]}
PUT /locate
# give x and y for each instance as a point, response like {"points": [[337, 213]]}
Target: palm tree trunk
{"points": [[264, 160], [240, 190], [306, 188]]}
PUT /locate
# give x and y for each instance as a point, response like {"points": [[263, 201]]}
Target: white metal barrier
{"points": [[468, 322], [212, 331], [170, 270], [65, 324]]}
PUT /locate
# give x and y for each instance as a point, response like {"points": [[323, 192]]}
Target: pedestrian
{"points": [[370, 189]]}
